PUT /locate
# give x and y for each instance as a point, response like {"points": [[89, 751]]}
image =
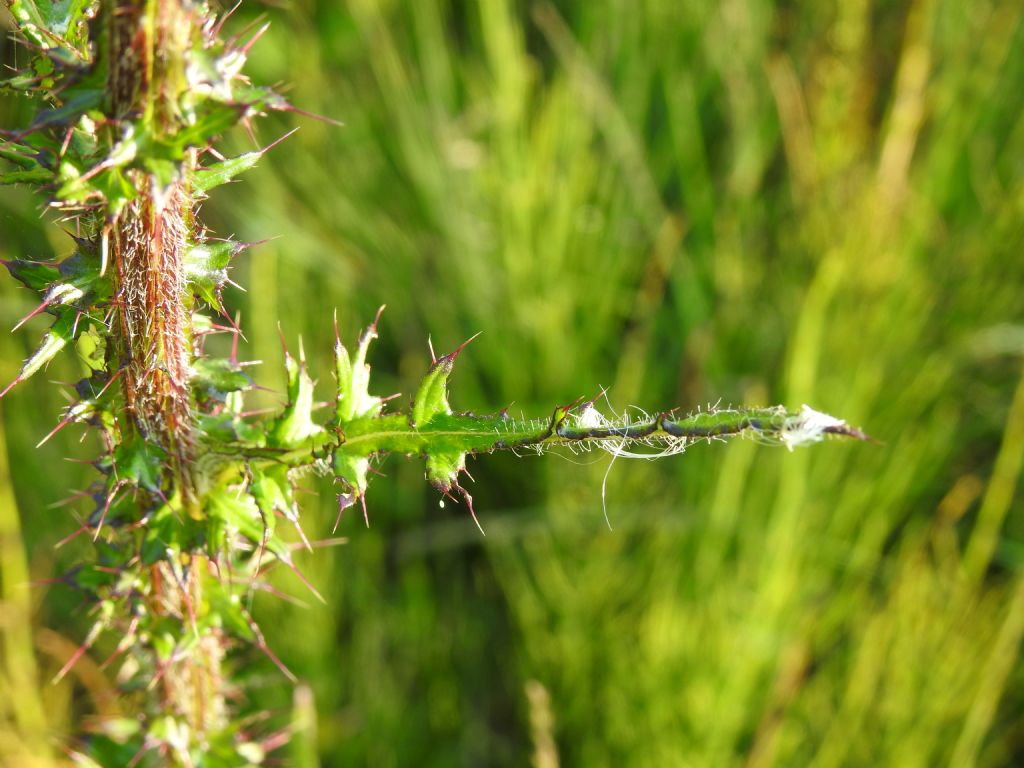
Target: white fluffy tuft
{"points": [[807, 427]]}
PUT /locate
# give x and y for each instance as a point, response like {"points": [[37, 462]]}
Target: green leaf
{"points": [[443, 473], [228, 427], [257, 98], [76, 103], [81, 291], [106, 752], [52, 22], [432, 396], [205, 179], [217, 376], [61, 333], [35, 176], [353, 376], [141, 462], [109, 184], [206, 268], [34, 274], [443, 469], [82, 267], [165, 171], [295, 425], [272, 492], [106, 177], [92, 577], [227, 611], [352, 470], [214, 119], [163, 633], [162, 534], [10, 152], [236, 510]]}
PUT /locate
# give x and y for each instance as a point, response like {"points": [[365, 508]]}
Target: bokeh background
{"points": [[758, 202]]}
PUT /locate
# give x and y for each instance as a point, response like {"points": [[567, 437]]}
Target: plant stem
{"points": [[152, 333], [149, 40]]}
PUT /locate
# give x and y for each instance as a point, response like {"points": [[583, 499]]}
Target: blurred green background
{"points": [[683, 201]]}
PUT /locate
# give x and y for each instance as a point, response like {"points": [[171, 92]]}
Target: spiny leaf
{"points": [[229, 508], [353, 376], [205, 179], [213, 119], [34, 176], [141, 462], [227, 610], [20, 156], [352, 470], [295, 424], [106, 183], [105, 177], [33, 274], [77, 100], [31, 171], [272, 489], [257, 98], [81, 268], [206, 268], [90, 577], [63, 294], [106, 751], [217, 376], [61, 333], [443, 473], [164, 171], [443, 469], [272, 492], [50, 23], [432, 396], [229, 427], [161, 156], [162, 536]]}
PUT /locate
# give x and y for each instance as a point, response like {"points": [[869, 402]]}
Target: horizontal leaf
{"points": [[205, 179], [77, 103], [214, 119], [34, 274], [35, 176], [12, 153]]}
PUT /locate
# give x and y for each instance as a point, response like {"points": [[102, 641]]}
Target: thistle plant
{"points": [[184, 514]]}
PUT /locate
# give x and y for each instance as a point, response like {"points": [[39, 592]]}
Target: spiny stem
{"points": [[581, 426], [153, 332], [151, 339]]}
